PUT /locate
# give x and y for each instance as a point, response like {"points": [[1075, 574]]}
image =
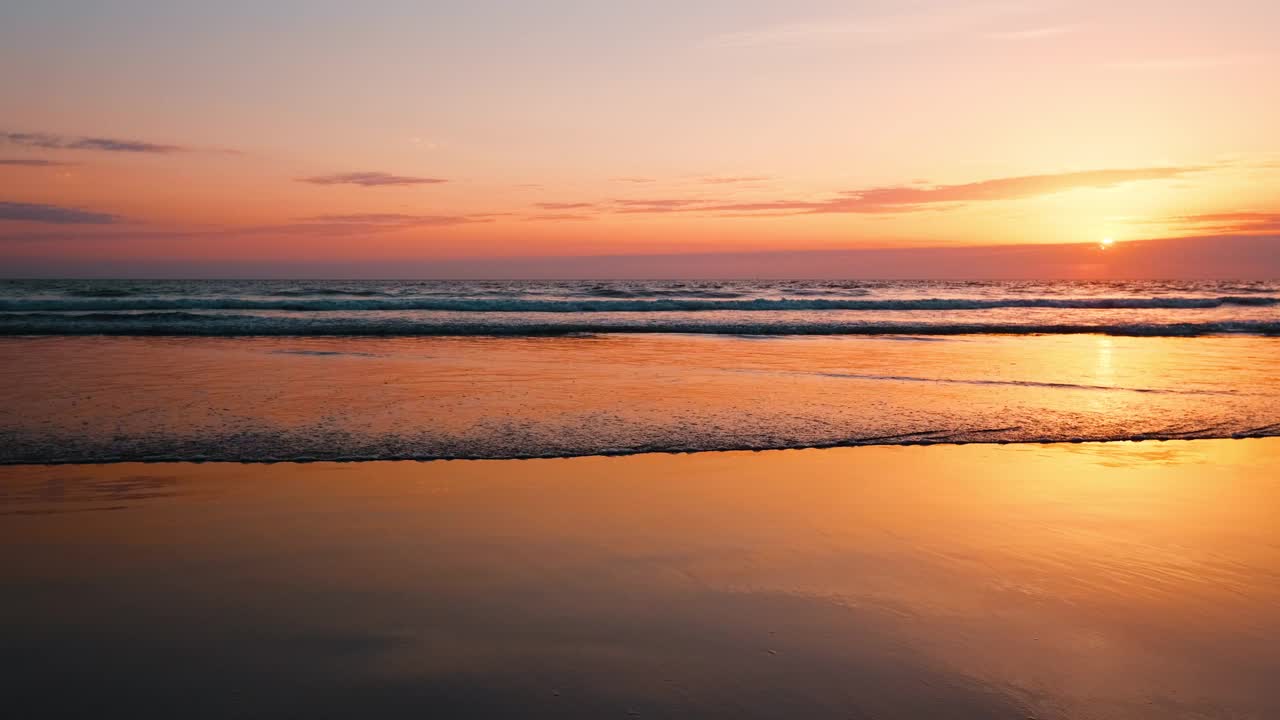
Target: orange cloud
{"points": [[369, 179], [662, 205], [908, 198], [565, 205], [893, 199], [1240, 222]]}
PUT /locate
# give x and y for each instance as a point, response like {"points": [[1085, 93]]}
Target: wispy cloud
{"points": [[910, 198], [352, 225], [656, 206], [391, 221], [1237, 222], [565, 205], [634, 180], [33, 162], [369, 179], [53, 214], [50, 141], [880, 199]]}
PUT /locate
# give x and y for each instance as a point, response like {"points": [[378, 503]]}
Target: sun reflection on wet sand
{"points": [[1104, 581]]}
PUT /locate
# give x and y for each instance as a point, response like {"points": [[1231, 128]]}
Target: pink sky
{"points": [[432, 138]]}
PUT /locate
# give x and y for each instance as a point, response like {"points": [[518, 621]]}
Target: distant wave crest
{"points": [[190, 323], [366, 300]]}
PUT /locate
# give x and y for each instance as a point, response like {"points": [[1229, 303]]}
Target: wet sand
{"points": [[1101, 581]]}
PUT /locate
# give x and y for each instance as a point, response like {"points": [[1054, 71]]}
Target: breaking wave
{"points": [[198, 324], [369, 300]]}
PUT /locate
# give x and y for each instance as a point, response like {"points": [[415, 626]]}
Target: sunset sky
{"points": [[437, 138]]}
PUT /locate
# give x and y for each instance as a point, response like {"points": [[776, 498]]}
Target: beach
{"points": [[1099, 580], [573, 360], [670, 499]]}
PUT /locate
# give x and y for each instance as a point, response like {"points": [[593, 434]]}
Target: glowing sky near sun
{"points": [[146, 131]]}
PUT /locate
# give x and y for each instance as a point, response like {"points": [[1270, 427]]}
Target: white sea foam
{"points": [[743, 308], [525, 305], [197, 324]]}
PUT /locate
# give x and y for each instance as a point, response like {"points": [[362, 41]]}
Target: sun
{"points": [[1106, 243]]}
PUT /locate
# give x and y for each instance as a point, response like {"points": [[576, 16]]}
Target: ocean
{"points": [[392, 308], [262, 371]]}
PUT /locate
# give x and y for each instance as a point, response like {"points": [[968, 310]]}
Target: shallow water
{"points": [[96, 399]]}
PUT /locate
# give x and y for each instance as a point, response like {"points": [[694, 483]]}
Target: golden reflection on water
{"points": [[288, 398], [1104, 372], [1102, 581]]}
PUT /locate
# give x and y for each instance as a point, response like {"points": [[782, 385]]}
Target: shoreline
{"points": [[639, 453], [165, 399]]}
